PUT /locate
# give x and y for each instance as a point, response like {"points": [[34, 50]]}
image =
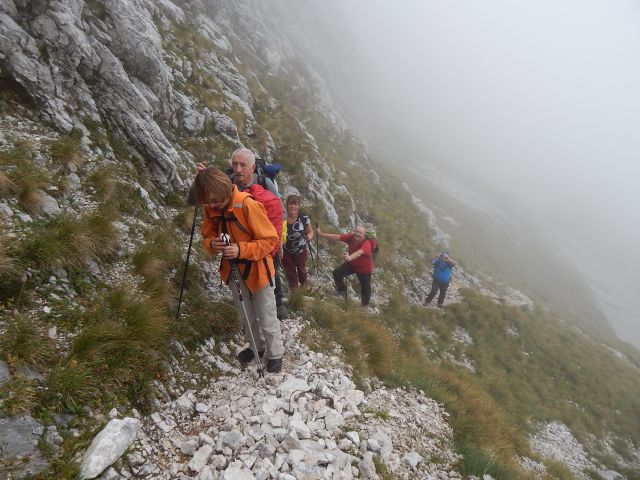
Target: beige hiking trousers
{"points": [[262, 316]]}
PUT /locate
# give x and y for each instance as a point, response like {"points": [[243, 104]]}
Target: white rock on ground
{"points": [[108, 446]]}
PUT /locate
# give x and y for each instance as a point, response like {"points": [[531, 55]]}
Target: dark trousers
{"points": [[435, 286], [343, 271], [278, 289], [295, 266]]}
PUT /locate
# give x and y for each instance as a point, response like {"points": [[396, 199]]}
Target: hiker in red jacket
{"points": [[357, 260]]}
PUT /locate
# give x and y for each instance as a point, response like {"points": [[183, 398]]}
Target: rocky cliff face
{"points": [[75, 66], [107, 105]]}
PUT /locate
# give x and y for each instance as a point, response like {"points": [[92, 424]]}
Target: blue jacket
{"points": [[441, 270]]}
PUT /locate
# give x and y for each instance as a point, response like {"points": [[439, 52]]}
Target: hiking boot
{"points": [[281, 312], [274, 365], [246, 355], [441, 305]]}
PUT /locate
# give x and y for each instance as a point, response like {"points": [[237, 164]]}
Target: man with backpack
{"points": [[245, 172], [245, 175], [357, 260], [442, 265], [370, 234], [236, 226]]}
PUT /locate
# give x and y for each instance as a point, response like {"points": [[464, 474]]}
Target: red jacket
{"points": [[364, 263]]}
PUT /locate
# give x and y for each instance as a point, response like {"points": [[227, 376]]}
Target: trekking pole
{"points": [[346, 295], [235, 274], [186, 264], [313, 260], [317, 251]]}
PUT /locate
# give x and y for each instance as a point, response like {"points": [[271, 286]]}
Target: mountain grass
{"points": [[69, 387], [156, 261], [22, 178], [9, 265], [23, 342], [69, 242], [296, 299], [19, 395], [7, 187], [66, 150], [124, 346]]}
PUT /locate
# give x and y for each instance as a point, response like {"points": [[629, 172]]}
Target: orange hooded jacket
{"points": [[247, 224]]}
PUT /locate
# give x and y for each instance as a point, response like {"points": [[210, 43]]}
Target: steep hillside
{"points": [[105, 108]]}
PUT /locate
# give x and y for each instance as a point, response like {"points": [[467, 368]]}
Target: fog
{"points": [[535, 104]]}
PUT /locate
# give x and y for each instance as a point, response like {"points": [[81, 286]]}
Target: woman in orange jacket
{"points": [[252, 239]]}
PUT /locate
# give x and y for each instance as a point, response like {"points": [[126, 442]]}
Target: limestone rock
{"points": [[236, 471], [411, 460], [108, 446], [292, 385], [5, 210], [368, 468], [5, 376], [49, 205], [199, 459]]}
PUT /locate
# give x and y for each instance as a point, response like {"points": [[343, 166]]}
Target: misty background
{"points": [[533, 106]]}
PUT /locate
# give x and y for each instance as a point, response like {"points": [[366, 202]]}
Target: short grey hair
{"points": [[247, 152]]}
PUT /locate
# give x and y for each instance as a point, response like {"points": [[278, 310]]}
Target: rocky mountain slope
{"points": [[106, 107]]}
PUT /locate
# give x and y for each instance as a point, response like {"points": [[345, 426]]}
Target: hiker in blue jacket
{"points": [[442, 265]]}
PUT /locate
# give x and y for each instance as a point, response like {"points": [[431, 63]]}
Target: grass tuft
{"points": [[19, 395], [23, 178], [296, 299], [69, 387], [66, 242], [479, 462], [23, 342], [125, 345], [157, 261], [9, 265], [203, 319], [66, 150], [7, 186]]}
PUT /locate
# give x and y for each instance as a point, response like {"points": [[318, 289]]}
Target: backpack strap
{"points": [[239, 219], [239, 261], [266, 266], [262, 178]]}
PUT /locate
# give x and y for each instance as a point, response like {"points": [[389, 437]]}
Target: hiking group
{"points": [[244, 223]]}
